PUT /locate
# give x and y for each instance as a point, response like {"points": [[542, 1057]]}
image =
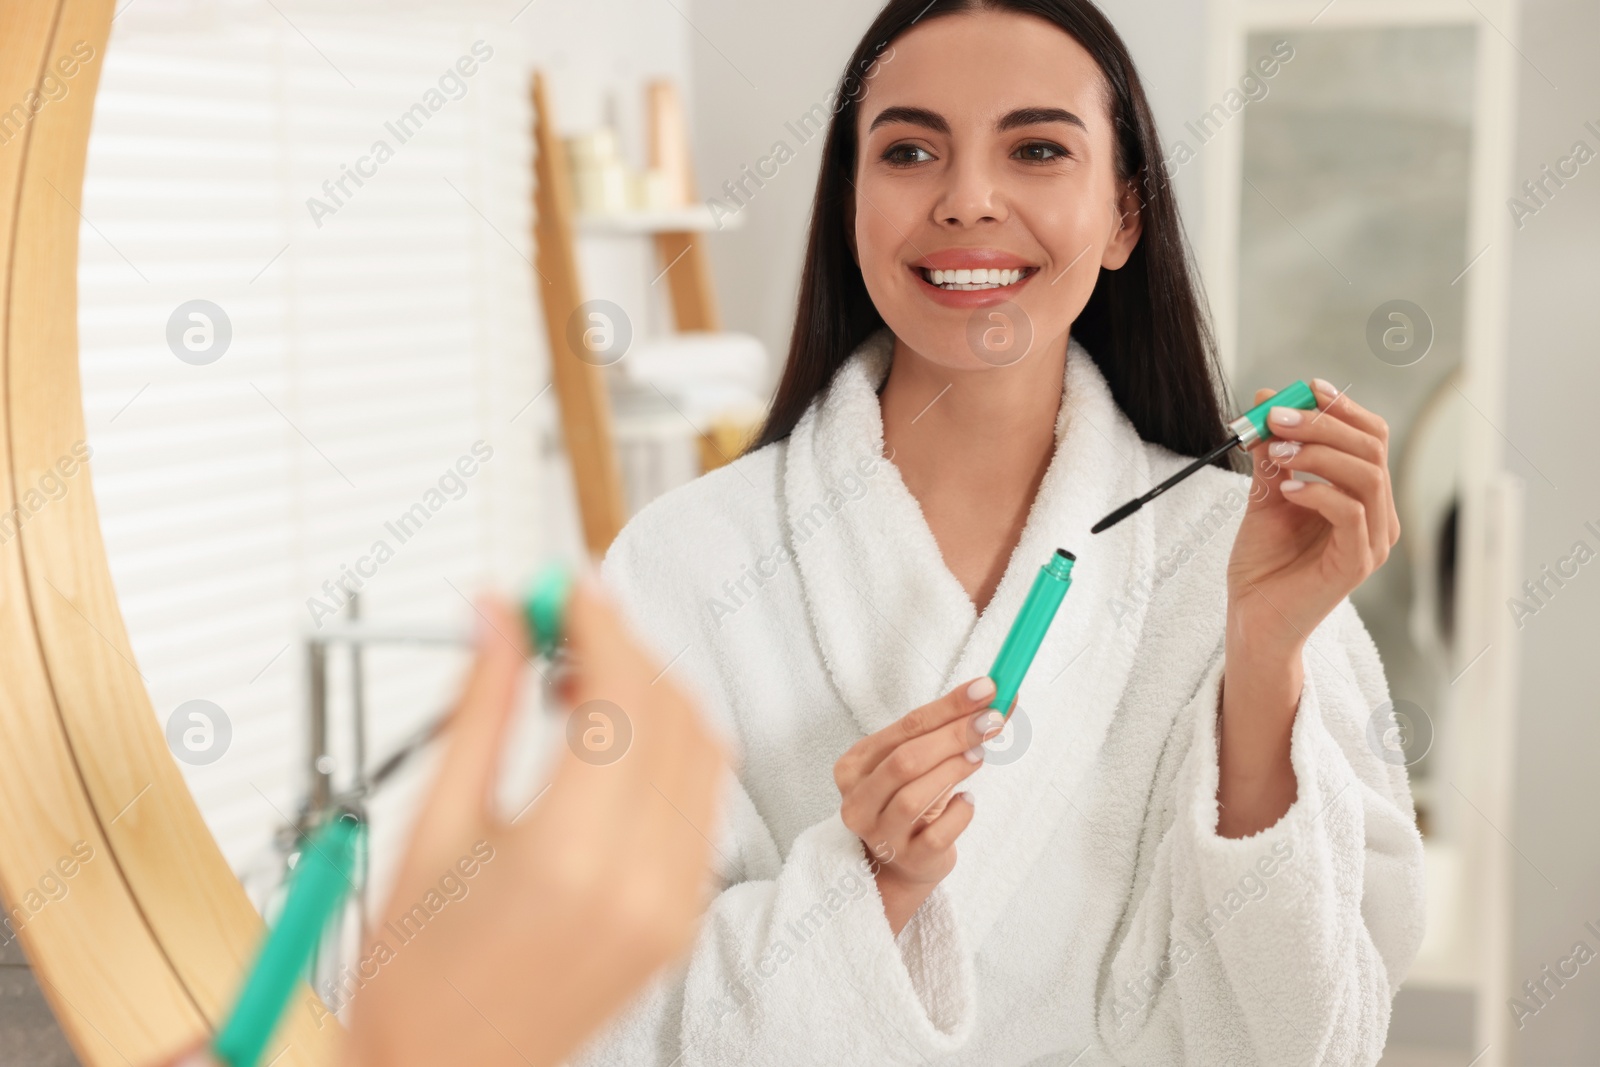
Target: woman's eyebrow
{"points": [[915, 116], [932, 120], [1036, 116]]}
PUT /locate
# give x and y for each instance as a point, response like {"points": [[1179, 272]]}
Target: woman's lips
{"points": [[972, 298]]}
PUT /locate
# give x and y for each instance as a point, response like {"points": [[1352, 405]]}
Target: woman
{"points": [[1186, 852]]}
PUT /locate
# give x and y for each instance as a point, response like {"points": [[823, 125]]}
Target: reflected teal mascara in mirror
{"points": [[1247, 429], [1027, 632]]}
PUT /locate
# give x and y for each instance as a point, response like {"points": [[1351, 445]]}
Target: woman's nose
{"points": [[972, 193]]}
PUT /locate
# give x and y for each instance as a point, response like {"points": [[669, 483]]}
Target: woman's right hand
{"points": [[592, 887], [595, 885], [896, 791]]}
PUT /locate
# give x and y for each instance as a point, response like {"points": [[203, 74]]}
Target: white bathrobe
{"points": [[1093, 916]]}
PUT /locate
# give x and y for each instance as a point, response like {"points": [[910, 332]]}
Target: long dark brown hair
{"points": [[1143, 324]]}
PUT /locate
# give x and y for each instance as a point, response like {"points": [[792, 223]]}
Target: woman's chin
{"points": [[949, 350]]}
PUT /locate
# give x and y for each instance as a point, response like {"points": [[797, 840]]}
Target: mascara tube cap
{"points": [[1252, 425], [545, 608]]}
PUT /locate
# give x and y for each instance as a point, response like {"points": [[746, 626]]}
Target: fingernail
{"points": [[966, 794], [974, 754], [1325, 387], [981, 689], [1285, 416], [1291, 485], [1283, 449], [987, 723]]}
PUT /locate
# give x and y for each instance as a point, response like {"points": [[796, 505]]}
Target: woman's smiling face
{"points": [[986, 145]]}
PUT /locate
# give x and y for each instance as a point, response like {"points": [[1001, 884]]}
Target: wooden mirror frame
{"points": [[140, 948]]}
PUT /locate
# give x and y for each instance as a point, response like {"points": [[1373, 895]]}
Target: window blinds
{"points": [[377, 351]]}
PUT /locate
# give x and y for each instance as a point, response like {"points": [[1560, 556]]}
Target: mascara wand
{"points": [[1248, 429]]}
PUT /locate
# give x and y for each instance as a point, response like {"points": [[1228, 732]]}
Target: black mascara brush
{"points": [[1247, 430]]}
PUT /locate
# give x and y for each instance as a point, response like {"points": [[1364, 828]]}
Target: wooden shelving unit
{"points": [[586, 417]]}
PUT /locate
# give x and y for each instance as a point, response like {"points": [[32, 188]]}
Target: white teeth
{"points": [[973, 279]]}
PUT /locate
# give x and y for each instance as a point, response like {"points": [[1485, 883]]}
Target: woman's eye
{"points": [[1041, 152], [895, 154]]}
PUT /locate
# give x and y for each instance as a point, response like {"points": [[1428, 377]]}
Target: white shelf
{"points": [[677, 220]]}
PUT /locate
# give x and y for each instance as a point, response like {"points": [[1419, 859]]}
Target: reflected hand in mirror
{"points": [[569, 907]]}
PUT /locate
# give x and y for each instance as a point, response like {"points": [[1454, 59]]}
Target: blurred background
{"points": [[327, 251]]}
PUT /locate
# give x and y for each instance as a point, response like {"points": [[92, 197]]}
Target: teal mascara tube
{"points": [[317, 889], [1027, 633]]}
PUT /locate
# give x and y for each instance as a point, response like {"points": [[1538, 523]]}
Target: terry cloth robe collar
{"points": [[896, 629]]}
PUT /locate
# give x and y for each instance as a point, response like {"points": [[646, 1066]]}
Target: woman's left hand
{"points": [[1304, 546], [1301, 549]]}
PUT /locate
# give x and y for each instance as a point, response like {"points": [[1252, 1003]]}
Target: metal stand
{"points": [[355, 635]]}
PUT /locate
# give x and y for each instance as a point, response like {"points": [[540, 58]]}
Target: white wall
{"points": [[1554, 378]]}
